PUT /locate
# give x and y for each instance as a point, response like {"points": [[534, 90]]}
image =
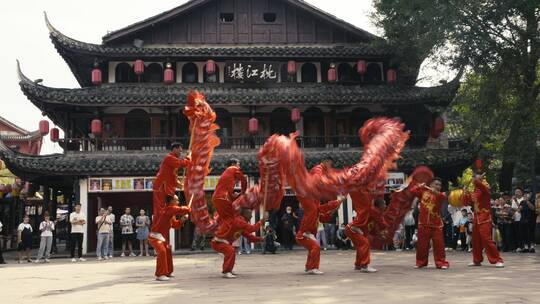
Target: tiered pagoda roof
{"points": [[148, 94], [78, 164], [119, 46]]}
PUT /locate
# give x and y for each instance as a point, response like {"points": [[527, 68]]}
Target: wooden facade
{"points": [[245, 22]]}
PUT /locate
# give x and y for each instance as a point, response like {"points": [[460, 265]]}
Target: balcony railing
{"points": [[233, 143]]}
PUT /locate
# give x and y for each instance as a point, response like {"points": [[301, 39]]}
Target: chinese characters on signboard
{"points": [[252, 71]]}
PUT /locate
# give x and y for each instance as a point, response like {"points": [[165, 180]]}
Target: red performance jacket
{"points": [[239, 227], [312, 210], [167, 176], [168, 220], [367, 216], [430, 206], [225, 185], [480, 199]]}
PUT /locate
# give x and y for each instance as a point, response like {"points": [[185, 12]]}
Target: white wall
{"points": [[83, 200]]}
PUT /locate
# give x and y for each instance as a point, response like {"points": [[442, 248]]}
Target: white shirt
{"points": [[409, 219], [515, 205], [46, 228], [106, 226], [126, 221], [112, 217], [1, 226], [76, 228], [23, 225]]}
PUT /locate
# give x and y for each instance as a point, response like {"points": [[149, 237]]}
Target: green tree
{"points": [[498, 42]]}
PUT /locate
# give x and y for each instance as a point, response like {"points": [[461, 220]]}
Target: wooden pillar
{"points": [[46, 198], [54, 204], [333, 126], [169, 124]]}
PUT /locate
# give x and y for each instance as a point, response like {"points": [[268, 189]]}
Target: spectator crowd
{"points": [[516, 228]]}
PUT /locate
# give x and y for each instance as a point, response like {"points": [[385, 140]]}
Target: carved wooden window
{"points": [[269, 17], [309, 72], [226, 17], [190, 73]]}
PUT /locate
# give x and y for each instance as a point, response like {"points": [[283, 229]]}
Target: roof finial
{"points": [[48, 23], [19, 72]]}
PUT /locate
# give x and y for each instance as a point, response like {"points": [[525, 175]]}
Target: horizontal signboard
{"points": [[251, 71], [136, 184]]}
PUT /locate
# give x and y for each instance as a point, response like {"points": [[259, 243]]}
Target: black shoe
{"points": [[532, 250], [525, 250], [192, 249]]}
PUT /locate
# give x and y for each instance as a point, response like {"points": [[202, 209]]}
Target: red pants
{"points": [[314, 251], [425, 234], [164, 263], [481, 239], [361, 243], [228, 252]]}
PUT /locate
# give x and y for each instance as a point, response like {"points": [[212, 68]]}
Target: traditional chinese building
{"points": [[266, 66], [11, 206]]}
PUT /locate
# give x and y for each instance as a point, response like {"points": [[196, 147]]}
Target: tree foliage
{"points": [[498, 42]]}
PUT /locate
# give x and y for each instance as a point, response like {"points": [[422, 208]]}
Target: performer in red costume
{"points": [[224, 195], [308, 229], [313, 210], [167, 178], [430, 225], [481, 238], [159, 236], [227, 235], [366, 214]]}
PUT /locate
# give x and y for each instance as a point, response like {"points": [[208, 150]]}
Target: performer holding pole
{"points": [[228, 234], [358, 230], [480, 199], [308, 228], [167, 178], [224, 195], [159, 236], [430, 225]]}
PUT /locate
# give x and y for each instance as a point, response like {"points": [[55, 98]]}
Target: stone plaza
{"points": [[274, 279]]}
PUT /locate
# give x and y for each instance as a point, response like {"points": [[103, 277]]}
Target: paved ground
{"points": [[274, 279]]}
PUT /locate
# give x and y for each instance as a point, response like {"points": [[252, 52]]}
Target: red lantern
{"points": [[168, 75], [295, 115], [361, 67], [253, 126], [479, 164], [55, 134], [391, 76], [332, 74], [291, 68], [138, 67], [210, 67], [96, 76], [96, 127], [43, 127], [437, 128]]}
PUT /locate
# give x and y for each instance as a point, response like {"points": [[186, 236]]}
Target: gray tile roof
{"points": [[66, 45], [145, 163], [229, 94]]}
